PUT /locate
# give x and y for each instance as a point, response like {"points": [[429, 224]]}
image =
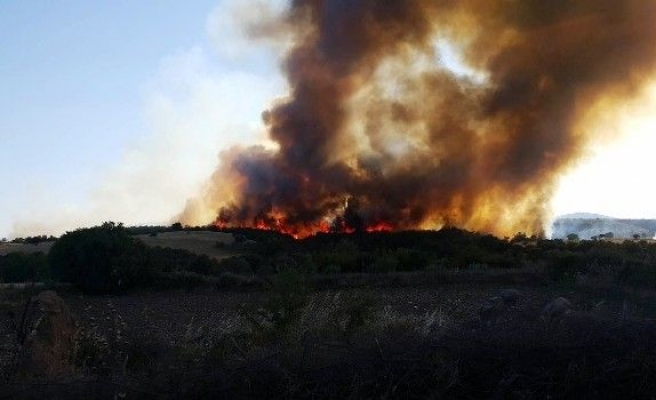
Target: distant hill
{"points": [[588, 226], [584, 216]]}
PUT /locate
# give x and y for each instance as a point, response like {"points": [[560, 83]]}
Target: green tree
{"points": [[100, 260], [572, 237], [21, 267]]}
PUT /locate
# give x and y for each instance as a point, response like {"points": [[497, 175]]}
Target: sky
{"points": [[118, 110]]}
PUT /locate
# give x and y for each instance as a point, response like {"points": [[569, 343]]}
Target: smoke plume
{"points": [[377, 132]]}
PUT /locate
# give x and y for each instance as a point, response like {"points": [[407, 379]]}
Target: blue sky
{"points": [[68, 66], [117, 110]]}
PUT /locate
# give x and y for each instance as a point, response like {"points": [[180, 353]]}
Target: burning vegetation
{"points": [[380, 132]]}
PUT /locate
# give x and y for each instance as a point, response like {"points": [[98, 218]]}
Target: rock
{"points": [[510, 296], [49, 342]]}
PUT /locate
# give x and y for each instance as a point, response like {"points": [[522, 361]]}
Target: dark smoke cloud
{"points": [[373, 115]]}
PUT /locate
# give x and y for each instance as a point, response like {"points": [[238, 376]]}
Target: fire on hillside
{"points": [[378, 114], [349, 221]]}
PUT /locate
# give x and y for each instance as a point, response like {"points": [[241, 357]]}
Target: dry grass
{"points": [[194, 242], [394, 341], [200, 242], [43, 247]]}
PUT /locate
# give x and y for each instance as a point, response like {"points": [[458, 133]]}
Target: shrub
{"points": [[203, 265], [384, 262], [100, 260], [164, 259], [20, 267], [563, 266], [332, 269], [289, 295], [228, 281], [235, 265], [411, 260]]}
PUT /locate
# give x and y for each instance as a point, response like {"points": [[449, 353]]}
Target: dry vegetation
{"points": [[197, 242], [442, 333], [359, 342]]}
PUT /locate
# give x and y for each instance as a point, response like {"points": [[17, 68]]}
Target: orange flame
{"points": [[306, 230], [380, 227]]}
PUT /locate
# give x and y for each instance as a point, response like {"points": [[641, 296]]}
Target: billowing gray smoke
{"points": [[377, 133]]}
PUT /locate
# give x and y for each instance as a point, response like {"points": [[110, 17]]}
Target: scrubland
{"points": [[447, 314]]}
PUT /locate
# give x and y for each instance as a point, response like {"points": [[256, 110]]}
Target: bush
{"points": [[563, 266], [167, 260], [289, 295], [411, 260], [228, 281], [100, 260], [236, 265], [203, 265], [20, 267], [384, 262]]}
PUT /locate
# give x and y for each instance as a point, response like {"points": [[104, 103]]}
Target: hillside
{"points": [[29, 248], [197, 242], [588, 226]]}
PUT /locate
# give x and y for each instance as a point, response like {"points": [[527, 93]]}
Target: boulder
{"points": [[49, 337]]}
